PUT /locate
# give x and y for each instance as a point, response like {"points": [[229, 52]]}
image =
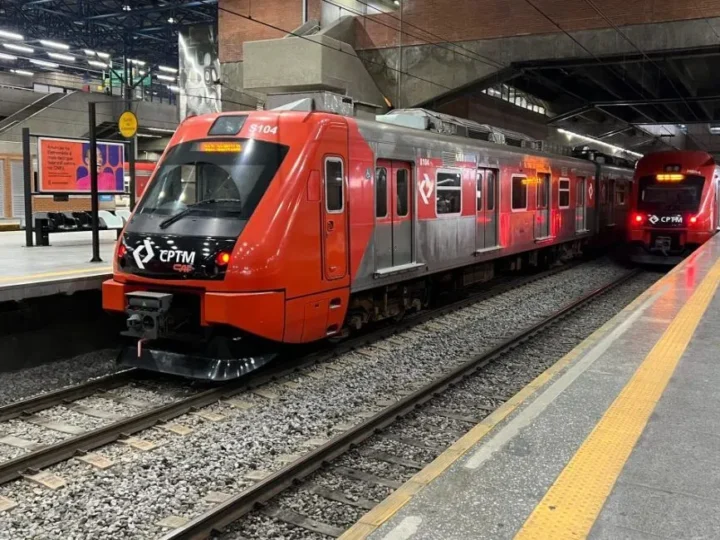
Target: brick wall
{"points": [[463, 20], [233, 31]]}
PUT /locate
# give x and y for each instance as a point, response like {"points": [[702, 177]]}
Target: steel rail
{"points": [[236, 507], [85, 442], [58, 397]]}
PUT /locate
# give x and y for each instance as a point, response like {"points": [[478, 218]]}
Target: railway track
{"points": [[323, 469], [83, 442]]}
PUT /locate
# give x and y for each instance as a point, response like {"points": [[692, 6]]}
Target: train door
{"points": [[401, 209], [393, 214], [486, 219], [542, 213], [334, 219], [581, 205]]}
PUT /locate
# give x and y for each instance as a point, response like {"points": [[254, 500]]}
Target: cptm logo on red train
{"points": [[184, 259]]}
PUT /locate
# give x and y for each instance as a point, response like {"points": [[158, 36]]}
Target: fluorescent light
{"points": [[601, 143], [136, 62], [22, 72], [97, 63], [4, 56], [10, 35], [103, 55], [160, 130], [172, 88], [89, 52], [55, 45], [148, 136], [172, 20], [167, 69], [58, 56], [43, 63], [166, 78], [19, 48]]}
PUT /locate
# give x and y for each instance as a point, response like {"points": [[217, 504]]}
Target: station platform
{"points": [[63, 267], [618, 440]]}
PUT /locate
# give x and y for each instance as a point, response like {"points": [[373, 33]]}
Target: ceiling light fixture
{"points": [[10, 35], [22, 72], [172, 20], [97, 63], [103, 55], [89, 52], [4, 56], [59, 56], [173, 88], [55, 45], [137, 62], [601, 143], [19, 48], [43, 63], [161, 130], [166, 78], [167, 69]]}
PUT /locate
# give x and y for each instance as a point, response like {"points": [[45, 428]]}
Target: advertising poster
{"points": [[199, 72], [65, 166]]}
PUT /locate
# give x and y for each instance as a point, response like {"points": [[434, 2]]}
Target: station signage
{"points": [[64, 166]]}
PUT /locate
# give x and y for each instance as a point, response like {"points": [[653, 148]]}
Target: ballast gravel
{"points": [[128, 499]]}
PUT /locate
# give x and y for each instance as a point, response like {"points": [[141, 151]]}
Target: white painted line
{"points": [[531, 412]]}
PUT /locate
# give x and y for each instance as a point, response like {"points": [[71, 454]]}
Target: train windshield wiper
{"points": [[190, 207]]}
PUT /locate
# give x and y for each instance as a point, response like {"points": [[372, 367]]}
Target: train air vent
{"points": [[449, 159]]}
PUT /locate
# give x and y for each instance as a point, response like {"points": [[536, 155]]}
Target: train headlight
{"points": [[222, 258]]}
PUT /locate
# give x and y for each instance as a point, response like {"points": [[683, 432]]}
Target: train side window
{"points": [[542, 190], [449, 193], [519, 193], [620, 194], [490, 192], [381, 192], [564, 193], [334, 184], [478, 191], [402, 192]]}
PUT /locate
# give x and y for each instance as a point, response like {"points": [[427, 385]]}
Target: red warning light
{"points": [[639, 218], [693, 219], [121, 250], [222, 258]]}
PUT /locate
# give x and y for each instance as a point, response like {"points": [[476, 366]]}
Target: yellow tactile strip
{"points": [[394, 502], [572, 504]]}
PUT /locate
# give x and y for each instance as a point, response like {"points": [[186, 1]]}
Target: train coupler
{"points": [[147, 314]]}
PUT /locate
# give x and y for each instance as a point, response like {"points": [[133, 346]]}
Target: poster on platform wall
{"points": [[199, 76], [65, 166]]}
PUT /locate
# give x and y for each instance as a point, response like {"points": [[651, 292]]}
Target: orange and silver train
{"points": [[674, 206], [268, 228]]}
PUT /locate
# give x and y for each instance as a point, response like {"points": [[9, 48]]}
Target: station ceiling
{"points": [[645, 101], [141, 29]]}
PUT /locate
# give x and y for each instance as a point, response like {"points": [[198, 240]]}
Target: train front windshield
{"points": [[684, 195], [213, 178]]}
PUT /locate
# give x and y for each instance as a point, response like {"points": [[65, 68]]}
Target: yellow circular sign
{"points": [[128, 124]]}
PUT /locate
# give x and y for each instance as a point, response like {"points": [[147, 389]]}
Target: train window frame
{"points": [[479, 179], [562, 190], [341, 161], [540, 188], [490, 200], [406, 192], [621, 189], [513, 208], [438, 188], [385, 215]]}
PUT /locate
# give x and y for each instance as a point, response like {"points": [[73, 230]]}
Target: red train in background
{"points": [[675, 206], [270, 228]]}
